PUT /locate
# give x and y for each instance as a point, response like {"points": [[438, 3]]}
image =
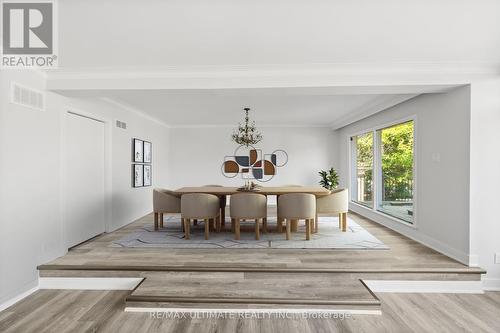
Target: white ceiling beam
{"points": [[379, 104], [369, 77]]}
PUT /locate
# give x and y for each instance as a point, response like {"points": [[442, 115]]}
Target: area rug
{"points": [[328, 237]]}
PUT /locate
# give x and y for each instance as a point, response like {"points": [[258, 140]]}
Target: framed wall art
{"points": [[137, 175], [147, 152], [147, 178], [138, 151]]}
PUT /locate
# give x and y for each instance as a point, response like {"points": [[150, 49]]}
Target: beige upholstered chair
{"points": [[280, 221], [297, 206], [248, 206], [335, 203], [165, 202], [200, 206], [223, 203]]}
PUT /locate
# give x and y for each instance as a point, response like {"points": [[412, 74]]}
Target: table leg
{"points": [[316, 222], [223, 211]]}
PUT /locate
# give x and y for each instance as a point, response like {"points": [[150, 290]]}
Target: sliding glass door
{"points": [[382, 167]]}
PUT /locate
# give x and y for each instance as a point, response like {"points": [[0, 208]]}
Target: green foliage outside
{"points": [[397, 161]]}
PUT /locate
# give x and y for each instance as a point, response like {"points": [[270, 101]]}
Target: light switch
{"points": [[436, 157]]}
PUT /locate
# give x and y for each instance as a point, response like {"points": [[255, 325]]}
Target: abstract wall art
{"points": [[251, 163]]}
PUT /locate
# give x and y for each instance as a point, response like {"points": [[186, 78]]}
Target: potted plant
{"points": [[329, 179]]}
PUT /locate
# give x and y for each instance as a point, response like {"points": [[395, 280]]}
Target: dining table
{"points": [[224, 191]]}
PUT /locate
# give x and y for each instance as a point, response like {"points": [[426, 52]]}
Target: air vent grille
{"points": [[28, 97], [121, 124]]}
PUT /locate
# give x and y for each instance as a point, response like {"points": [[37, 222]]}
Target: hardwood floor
{"points": [[102, 311], [243, 290], [404, 256]]}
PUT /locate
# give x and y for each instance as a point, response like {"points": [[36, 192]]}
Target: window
{"points": [[383, 170], [396, 172], [363, 147]]}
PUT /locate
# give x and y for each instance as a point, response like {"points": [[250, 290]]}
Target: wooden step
{"points": [[196, 291]]}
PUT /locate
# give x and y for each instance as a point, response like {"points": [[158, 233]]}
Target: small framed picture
{"points": [[137, 175], [138, 151], [148, 157], [147, 175]]}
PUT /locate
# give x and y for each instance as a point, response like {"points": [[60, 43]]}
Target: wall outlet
{"points": [[497, 258]]}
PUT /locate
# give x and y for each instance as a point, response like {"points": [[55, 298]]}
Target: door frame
{"points": [[67, 111]]}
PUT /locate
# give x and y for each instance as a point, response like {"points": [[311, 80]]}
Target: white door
{"points": [[84, 211]]}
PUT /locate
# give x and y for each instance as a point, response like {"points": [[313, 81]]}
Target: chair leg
{"points": [[308, 228], [264, 225], [207, 228], [232, 225], [257, 231], [295, 225], [340, 221], [186, 228], [344, 222], [236, 229], [288, 229], [218, 223], [183, 224], [280, 225], [156, 221]]}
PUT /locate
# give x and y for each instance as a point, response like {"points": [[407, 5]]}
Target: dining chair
{"points": [[335, 203], [297, 206], [202, 206], [164, 202], [280, 222], [247, 206], [223, 203]]}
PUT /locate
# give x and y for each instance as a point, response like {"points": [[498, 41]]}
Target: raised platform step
{"points": [[435, 274], [190, 291]]}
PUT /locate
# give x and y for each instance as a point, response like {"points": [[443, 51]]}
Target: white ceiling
{"points": [[139, 54], [131, 33], [219, 108]]}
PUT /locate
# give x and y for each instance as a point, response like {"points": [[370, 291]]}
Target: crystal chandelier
{"points": [[246, 135]]}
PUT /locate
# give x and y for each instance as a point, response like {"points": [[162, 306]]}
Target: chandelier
{"points": [[246, 135]]}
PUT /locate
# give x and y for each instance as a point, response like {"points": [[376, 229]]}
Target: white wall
{"points": [[196, 154], [442, 200], [31, 199], [485, 178]]}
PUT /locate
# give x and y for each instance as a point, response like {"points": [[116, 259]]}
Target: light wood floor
{"points": [[102, 311], [405, 255]]}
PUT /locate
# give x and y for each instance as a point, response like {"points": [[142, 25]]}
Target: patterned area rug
{"points": [[328, 237]]}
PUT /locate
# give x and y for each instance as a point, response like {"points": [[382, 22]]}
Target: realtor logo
{"points": [[28, 34]]}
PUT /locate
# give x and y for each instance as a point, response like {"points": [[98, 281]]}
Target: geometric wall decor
{"points": [[250, 163]]}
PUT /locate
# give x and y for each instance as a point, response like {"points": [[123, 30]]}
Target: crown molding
{"points": [[379, 104], [127, 107]]}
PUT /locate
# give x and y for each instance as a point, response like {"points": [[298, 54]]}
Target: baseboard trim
{"points": [[17, 298], [442, 287], [413, 233], [491, 284], [276, 311], [89, 283]]}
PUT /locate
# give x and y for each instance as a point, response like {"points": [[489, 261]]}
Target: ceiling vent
{"points": [[27, 97]]}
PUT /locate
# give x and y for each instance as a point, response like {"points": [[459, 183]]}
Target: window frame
{"points": [[377, 168]]}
